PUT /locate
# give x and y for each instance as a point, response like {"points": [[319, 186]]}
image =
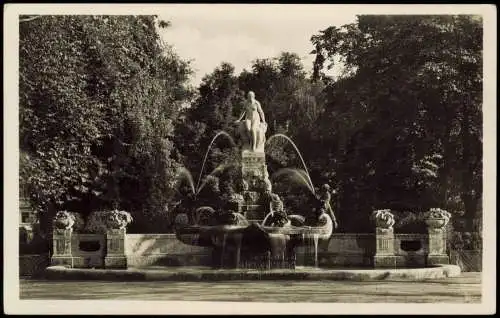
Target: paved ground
{"points": [[463, 289]]}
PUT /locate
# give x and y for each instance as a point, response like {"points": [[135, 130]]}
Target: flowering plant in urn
{"points": [[118, 219], [437, 218], [383, 219], [64, 220]]}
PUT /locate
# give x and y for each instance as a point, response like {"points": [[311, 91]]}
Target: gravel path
{"points": [[463, 289]]}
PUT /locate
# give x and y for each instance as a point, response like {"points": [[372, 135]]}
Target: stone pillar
{"points": [[384, 236], [115, 243], [254, 174], [253, 168], [61, 238], [116, 223], [62, 247], [436, 220]]}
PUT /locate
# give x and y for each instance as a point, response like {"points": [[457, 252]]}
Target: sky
{"points": [[211, 34]]}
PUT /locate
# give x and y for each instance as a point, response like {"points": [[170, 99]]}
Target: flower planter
{"points": [[64, 220], [436, 223], [117, 220], [384, 219]]}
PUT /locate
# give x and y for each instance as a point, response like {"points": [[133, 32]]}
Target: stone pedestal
{"points": [[62, 247], [115, 255], [253, 168], [255, 176], [436, 220], [384, 255], [437, 247]]}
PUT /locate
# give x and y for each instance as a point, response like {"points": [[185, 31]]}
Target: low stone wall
{"points": [[341, 250], [33, 264], [411, 249], [163, 250], [88, 250]]}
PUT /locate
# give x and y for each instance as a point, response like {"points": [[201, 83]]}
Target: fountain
{"points": [[246, 233], [255, 231]]}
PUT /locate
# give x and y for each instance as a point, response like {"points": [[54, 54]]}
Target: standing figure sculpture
{"points": [[254, 124], [324, 197]]}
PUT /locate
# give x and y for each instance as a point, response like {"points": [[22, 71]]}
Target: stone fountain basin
{"points": [[229, 229], [205, 274], [201, 235]]}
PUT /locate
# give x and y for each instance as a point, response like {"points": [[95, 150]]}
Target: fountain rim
{"points": [[185, 274], [240, 228]]}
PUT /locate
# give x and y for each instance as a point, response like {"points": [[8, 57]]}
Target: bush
{"points": [[465, 241], [96, 222], [35, 243], [409, 222], [98, 127]]}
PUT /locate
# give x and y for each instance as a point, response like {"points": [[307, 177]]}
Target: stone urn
{"points": [[384, 219], [64, 220], [437, 218], [117, 220], [277, 219], [202, 216]]}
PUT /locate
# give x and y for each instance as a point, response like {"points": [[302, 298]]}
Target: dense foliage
{"points": [[98, 99], [102, 122], [406, 117]]}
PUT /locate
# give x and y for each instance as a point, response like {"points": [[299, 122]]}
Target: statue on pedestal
{"points": [[252, 125]]}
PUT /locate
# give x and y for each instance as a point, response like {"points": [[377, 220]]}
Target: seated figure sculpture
{"points": [[253, 125]]}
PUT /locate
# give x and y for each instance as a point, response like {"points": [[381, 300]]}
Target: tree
{"points": [[291, 101], [403, 99], [98, 99], [217, 106]]}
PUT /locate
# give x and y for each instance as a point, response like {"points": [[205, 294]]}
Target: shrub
{"points": [[96, 222], [465, 241]]}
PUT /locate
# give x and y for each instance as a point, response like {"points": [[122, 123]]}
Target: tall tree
{"points": [[292, 103], [98, 97], [217, 106], [405, 100]]}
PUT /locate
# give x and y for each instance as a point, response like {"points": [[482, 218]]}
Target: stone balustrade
{"points": [[63, 235], [388, 255], [383, 249]]}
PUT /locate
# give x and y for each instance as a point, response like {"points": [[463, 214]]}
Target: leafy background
{"points": [[107, 116]]}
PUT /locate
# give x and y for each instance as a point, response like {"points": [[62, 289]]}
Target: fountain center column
{"points": [[253, 161], [255, 180]]}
